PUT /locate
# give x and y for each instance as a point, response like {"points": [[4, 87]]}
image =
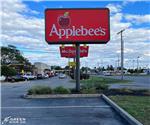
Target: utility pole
{"points": [[138, 63], [118, 61], [122, 53], [133, 64]]}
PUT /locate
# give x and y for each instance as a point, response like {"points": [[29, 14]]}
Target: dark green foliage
{"points": [[39, 90], [61, 90], [8, 71], [11, 56]]}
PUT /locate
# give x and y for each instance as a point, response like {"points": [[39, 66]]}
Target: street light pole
{"points": [[122, 52], [133, 64]]}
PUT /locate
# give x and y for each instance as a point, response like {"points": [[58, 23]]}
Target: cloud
{"points": [[114, 8], [138, 19], [27, 32]]}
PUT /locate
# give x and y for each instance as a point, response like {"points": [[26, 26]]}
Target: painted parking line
{"points": [[55, 107]]}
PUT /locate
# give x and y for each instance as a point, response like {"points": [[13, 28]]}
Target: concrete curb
{"points": [[122, 112], [60, 96]]}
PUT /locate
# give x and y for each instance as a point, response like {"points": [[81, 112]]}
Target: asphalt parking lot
{"points": [[71, 111]]}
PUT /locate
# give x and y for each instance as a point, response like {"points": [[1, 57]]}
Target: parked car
{"points": [[15, 78], [29, 76], [46, 76], [82, 76], [2, 78], [62, 76], [39, 76]]}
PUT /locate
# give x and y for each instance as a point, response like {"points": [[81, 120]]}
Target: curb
{"points": [[121, 112], [59, 96]]}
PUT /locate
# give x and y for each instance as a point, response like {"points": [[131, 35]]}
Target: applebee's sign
{"points": [[67, 26]]}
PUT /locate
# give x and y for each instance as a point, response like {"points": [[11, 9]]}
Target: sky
{"points": [[22, 25]]}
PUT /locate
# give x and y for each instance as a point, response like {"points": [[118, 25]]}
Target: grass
{"points": [[137, 106], [94, 79]]}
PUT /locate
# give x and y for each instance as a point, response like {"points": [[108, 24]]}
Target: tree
{"points": [[8, 71], [111, 68], [11, 56], [56, 68]]}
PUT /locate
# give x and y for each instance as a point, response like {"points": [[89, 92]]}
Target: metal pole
{"points": [[122, 53], [74, 59], [133, 64], [137, 62], [77, 67]]}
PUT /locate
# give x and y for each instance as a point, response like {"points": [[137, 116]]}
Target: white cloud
{"points": [[28, 33], [114, 8], [138, 19]]}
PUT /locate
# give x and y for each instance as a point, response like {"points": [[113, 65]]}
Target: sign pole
{"points": [[77, 67], [74, 70]]}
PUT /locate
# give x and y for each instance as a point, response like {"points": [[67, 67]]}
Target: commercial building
{"points": [[41, 68]]}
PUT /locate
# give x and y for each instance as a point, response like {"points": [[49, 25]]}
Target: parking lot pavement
{"points": [[70, 111]]}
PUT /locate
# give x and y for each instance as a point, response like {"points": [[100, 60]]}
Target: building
{"points": [[40, 68]]}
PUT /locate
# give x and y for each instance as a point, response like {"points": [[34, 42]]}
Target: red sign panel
{"points": [[70, 26], [70, 51]]}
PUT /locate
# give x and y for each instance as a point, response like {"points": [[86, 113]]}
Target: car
{"points": [[40, 76], [46, 76], [29, 76], [62, 76], [15, 78], [2, 78]]}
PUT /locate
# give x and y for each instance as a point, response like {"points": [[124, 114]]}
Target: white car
{"points": [[2, 78], [29, 76], [46, 76], [62, 76]]}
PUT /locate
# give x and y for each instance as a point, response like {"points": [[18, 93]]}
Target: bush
{"points": [[61, 90], [88, 91], [40, 90]]}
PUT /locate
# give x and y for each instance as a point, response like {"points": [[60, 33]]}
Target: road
{"points": [[138, 82], [78, 111]]}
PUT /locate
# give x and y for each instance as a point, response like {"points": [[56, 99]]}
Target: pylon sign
{"points": [[80, 25], [70, 51]]}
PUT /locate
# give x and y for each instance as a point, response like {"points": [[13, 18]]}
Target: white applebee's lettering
{"points": [[77, 32]]}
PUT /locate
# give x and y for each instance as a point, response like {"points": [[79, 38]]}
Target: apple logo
{"points": [[64, 20]]}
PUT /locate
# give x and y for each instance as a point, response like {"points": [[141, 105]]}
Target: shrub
{"points": [[61, 90], [40, 90], [88, 91]]}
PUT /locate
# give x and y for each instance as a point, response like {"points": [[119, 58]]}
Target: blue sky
{"points": [[23, 26], [139, 7]]}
